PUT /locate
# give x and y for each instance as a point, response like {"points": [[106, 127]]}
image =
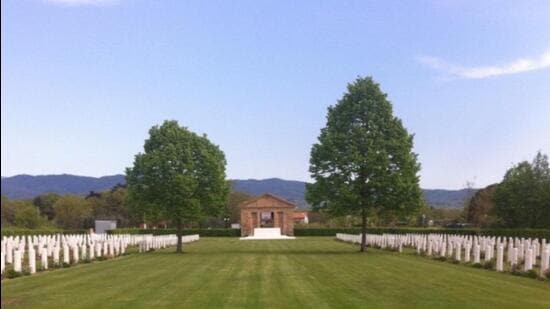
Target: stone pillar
{"points": [[9, 252], [2, 262], [32, 260], [500, 257], [467, 250], [476, 253], [83, 253], [514, 260], [528, 265], [276, 220], [55, 255], [66, 254], [44, 257], [75, 254], [17, 261], [544, 261]]}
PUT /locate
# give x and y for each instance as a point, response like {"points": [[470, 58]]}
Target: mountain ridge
{"points": [[24, 186]]}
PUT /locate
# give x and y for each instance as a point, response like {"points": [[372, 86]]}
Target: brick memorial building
{"points": [[267, 211]]}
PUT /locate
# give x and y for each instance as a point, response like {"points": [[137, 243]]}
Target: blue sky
{"points": [[84, 80]]}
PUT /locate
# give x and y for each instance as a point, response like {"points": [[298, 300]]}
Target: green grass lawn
{"points": [[315, 272]]}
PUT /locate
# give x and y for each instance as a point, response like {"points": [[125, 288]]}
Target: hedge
{"points": [[201, 232], [24, 232], [526, 233]]}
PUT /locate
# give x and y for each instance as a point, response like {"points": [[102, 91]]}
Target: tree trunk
{"points": [[179, 232], [363, 230]]}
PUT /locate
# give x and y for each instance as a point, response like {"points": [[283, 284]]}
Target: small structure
{"points": [[102, 226], [267, 211], [300, 217]]}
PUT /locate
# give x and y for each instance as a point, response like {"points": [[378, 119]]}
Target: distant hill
{"points": [[27, 186], [290, 190], [439, 198]]}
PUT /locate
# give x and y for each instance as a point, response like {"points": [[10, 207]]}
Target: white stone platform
{"points": [[267, 233]]}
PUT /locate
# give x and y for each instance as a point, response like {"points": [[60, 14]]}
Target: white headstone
{"points": [[32, 260], [17, 260], [44, 257], [500, 258]]}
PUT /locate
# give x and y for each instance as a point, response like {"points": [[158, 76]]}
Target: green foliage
{"points": [[526, 233], [45, 204], [523, 197], [201, 232], [532, 274], [10, 274], [232, 208], [480, 210], [364, 157], [72, 212], [27, 215], [111, 205], [179, 177], [21, 213], [490, 264]]}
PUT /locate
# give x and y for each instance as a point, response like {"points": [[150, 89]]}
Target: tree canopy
{"points": [[72, 212], [363, 159], [180, 176], [523, 197]]}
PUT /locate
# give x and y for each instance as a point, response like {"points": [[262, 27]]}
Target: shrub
{"points": [[531, 273], [201, 232], [490, 264], [477, 265], [528, 233], [10, 274], [515, 270], [547, 274], [66, 265]]}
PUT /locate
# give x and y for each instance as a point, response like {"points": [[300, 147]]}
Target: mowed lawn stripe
{"points": [[315, 272]]}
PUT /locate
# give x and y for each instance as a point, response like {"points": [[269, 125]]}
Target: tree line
{"points": [[70, 212], [520, 200]]}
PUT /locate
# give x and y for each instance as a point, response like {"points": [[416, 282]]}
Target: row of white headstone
{"points": [[518, 253], [40, 251]]}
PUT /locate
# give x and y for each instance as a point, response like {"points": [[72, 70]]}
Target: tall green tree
{"points": [[45, 204], [363, 159], [179, 176], [232, 208], [522, 199], [480, 210], [72, 212]]}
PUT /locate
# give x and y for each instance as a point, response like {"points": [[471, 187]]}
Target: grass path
{"points": [[311, 272]]}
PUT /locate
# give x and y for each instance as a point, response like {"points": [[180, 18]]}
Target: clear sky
{"points": [[84, 80]]}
